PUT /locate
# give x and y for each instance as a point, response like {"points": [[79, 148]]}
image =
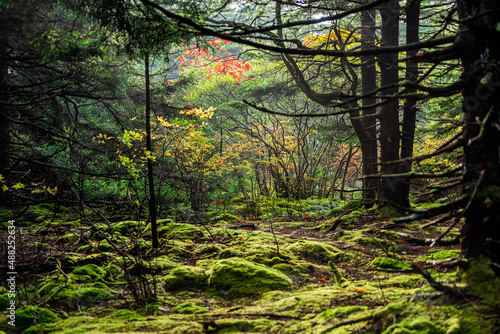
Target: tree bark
{"points": [[410, 109], [152, 196], [479, 51], [369, 84], [391, 189]]}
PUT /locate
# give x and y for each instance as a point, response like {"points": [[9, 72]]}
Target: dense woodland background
{"points": [[191, 116]]}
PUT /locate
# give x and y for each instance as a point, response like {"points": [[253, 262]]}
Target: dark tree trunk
{"points": [[479, 51], [409, 109], [391, 190], [152, 196], [369, 84]]}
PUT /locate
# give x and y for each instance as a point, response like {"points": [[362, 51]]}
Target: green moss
{"points": [[352, 204], [128, 227], [482, 280], [68, 238], [87, 273], [95, 292], [37, 329], [126, 315], [334, 211], [28, 316], [240, 277], [43, 246], [388, 263], [418, 325], [227, 217], [185, 277], [338, 275], [338, 312], [295, 268], [49, 285], [189, 308], [243, 325], [111, 272], [4, 301], [179, 231], [437, 254], [211, 248], [387, 211], [316, 251]]}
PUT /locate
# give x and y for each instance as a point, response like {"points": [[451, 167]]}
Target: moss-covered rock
{"points": [[88, 273], [189, 308], [227, 217], [388, 263], [315, 251], [240, 277], [295, 268], [94, 292], [211, 248], [128, 227], [28, 316], [111, 272], [185, 277], [334, 211], [179, 231]]}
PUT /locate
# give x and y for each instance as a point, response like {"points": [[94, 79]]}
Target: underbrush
{"points": [[234, 273]]}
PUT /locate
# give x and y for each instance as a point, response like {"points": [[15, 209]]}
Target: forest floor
{"points": [[287, 275]]}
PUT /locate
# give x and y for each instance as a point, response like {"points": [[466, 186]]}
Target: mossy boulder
{"points": [[211, 248], [129, 226], [239, 277], [316, 251], [189, 308], [94, 292], [111, 272], [87, 273], [334, 211], [388, 263], [185, 277], [227, 217], [28, 316], [179, 231], [295, 268]]}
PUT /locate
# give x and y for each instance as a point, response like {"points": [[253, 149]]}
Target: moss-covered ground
{"points": [[283, 274]]}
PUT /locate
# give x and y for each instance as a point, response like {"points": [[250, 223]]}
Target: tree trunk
{"points": [[152, 197], [409, 109], [391, 190], [369, 84], [479, 51]]}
